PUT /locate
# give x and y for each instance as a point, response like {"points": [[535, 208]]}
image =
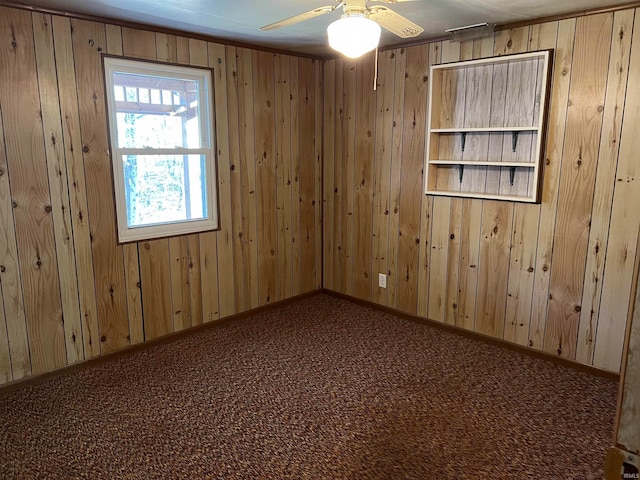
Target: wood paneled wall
{"points": [[69, 291], [554, 276]]}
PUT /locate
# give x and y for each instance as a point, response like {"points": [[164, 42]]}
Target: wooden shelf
{"points": [[493, 108], [481, 163], [484, 130]]}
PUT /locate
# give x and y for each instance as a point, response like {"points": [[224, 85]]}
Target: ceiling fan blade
{"points": [[300, 18], [394, 22]]}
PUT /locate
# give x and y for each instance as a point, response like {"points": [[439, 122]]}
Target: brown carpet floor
{"points": [[319, 389]]}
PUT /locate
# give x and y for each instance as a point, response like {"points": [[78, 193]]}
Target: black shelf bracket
{"points": [[463, 139], [512, 174], [514, 141], [461, 172]]}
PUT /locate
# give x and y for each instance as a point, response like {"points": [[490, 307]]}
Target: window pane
{"points": [[164, 188], [157, 112]]}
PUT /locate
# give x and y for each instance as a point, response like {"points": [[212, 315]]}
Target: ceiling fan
{"points": [[358, 29]]}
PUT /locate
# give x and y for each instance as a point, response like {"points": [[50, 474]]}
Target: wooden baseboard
{"points": [[613, 376], [172, 337], [66, 370]]}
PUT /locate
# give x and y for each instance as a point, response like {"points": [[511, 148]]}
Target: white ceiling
{"points": [[239, 20]]}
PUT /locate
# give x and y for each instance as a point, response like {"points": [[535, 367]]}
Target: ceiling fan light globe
{"points": [[353, 35]]}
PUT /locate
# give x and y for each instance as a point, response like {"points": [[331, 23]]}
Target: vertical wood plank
{"points": [[306, 119], [198, 53], [65, 71], [393, 274], [521, 273], [424, 254], [415, 100], [319, 169], [166, 47], [133, 293], [248, 170], [12, 299], [295, 178], [139, 43], [58, 186], [179, 274], [26, 162], [195, 281], [338, 183], [348, 166], [225, 246], [584, 124], [440, 218], [10, 276], [328, 174], [5, 357], [601, 219], [363, 175], [111, 292], [209, 275], [382, 172], [453, 260], [283, 170], [235, 179], [266, 186], [493, 266], [469, 258], [113, 35], [155, 276], [625, 222], [563, 59]]}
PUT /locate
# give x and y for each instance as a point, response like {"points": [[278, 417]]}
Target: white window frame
{"points": [[206, 107]]}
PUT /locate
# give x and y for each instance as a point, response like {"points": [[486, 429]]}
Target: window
{"points": [[162, 146]]}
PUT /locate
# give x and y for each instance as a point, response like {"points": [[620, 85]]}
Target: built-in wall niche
{"points": [[486, 127]]}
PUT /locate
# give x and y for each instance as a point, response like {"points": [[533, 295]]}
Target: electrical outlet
{"points": [[382, 280]]}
